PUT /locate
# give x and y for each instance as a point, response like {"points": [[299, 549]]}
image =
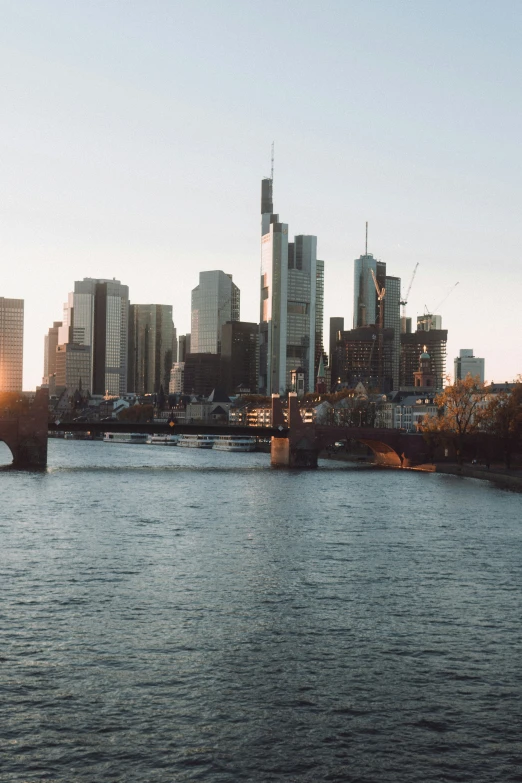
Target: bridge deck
{"points": [[157, 428]]}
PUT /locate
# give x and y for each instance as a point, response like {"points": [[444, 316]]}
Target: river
{"points": [[173, 615]]}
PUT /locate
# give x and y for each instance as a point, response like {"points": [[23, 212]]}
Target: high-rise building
{"points": [[414, 344], [336, 327], [319, 317], [429, 321], [239, 356], [72, 368], [177, 377], [392, 320], [96, 314], [11, 344], [288, 302], [214, 302], [202, 373], [468, 364], [50, 344], [366, 304], [151, 348], [184, 346]]}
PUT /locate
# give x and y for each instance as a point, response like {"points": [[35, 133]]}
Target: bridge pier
{"points": [[26, 435], [285, 454]]}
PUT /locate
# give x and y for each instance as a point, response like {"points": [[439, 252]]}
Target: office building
{"points": [[413, 345], [468, 364], [366, 305], [240, 357], [72, 368], [336, 327], [428, 321], [50, 344], [96, 315], [287, 303], [184, 346], [214, 302], [151, 348], [392, 320], [11, 344], [202, 373], [319, 317], [177, 378]]}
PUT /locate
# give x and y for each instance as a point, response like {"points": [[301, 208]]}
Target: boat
{"points": [[163, 440], [234, 443], [125, 437], [196, 441]]}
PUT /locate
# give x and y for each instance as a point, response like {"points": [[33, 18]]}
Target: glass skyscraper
{"points": [[151, 348], [97, 315], [11, 344], [288, 302], [214, 302]]}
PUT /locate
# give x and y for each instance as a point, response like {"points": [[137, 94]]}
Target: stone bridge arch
{"points": [[26, 435]]}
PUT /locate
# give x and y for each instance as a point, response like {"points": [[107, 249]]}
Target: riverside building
{"points": [[11, 344]]}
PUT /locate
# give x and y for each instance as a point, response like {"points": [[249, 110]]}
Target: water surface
{"points": [[171, 614]]}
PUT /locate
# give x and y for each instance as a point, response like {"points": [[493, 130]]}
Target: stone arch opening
{"points": [[6, 455], [384, 454]]}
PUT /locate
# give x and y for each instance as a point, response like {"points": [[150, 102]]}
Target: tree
{"points": [[137, 414], [503, 418], [461, 412]]}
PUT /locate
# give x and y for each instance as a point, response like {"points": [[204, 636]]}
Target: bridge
{"points": [[294, 444]]}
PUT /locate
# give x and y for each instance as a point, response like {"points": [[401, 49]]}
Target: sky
{"points": [[134, 136]]}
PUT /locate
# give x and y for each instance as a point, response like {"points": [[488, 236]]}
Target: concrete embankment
{"points": [[500, 476]]}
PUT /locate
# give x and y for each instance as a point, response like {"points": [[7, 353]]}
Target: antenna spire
{"points": [[366, 250]]}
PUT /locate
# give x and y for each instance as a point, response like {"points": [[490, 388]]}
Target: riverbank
{"points": [[510, 479]]}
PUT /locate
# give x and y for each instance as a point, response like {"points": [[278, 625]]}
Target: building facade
{"points": [[202, 373], [214, 302], [240, 356], [392, 320], [467, 364], [50, 345], [73, 368], [184, 347], [288, 318], [336, 327], [151, 348], [177, 378], [11, 344], [97, 315]]}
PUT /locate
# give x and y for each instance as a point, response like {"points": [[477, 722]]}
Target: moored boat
{"points": [[196, 441], [125, 437], [234, 443]]}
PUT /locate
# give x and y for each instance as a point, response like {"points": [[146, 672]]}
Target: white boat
{"points": [[196, 441], [234, 443], [125, 437], [163, 440]]}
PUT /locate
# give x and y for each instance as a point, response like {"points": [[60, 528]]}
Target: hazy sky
{"points": [[134, 135]]}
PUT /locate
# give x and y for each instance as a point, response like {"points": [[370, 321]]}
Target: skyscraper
{"points": [[184, 347], [151, 348], [468, 364], [336, 327], [11, 344], [319, 317], [96, 315], [413, 345], [288, 302], [366, 304], [239, 356], [50, 343], [214, 302]]}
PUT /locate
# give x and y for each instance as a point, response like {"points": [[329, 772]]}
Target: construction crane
{"points": [[381, 293], [444, 298], [404, 300]]}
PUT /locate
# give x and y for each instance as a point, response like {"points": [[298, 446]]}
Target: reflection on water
{"points": [[173, 614]]}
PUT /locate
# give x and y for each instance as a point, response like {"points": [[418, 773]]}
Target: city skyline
{"points": [[132, 163]]}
